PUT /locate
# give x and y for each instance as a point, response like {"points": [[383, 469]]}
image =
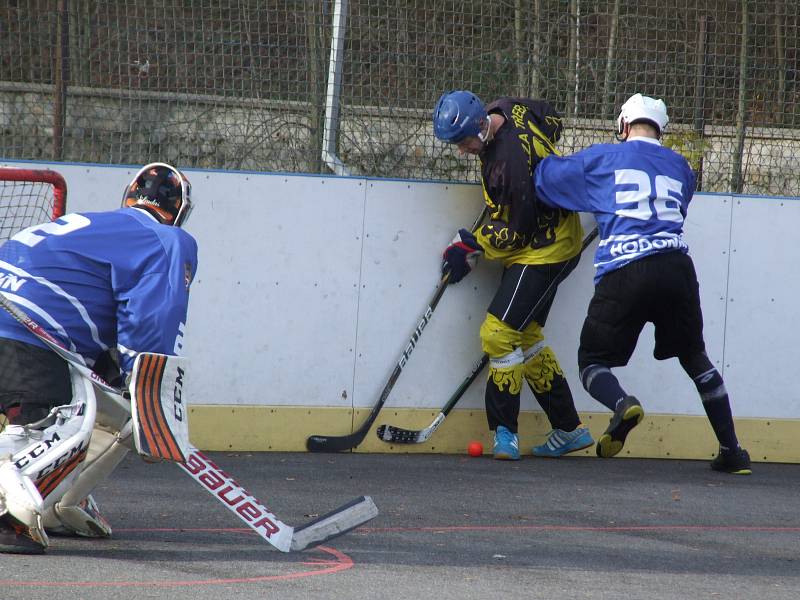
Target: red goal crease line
{"points": [[609, 528]]}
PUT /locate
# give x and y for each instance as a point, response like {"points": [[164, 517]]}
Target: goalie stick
{"points": [[398, 435], [218, 483], [339, 443]]}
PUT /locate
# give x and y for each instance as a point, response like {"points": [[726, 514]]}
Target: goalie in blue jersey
{"points": [[105, 286], [639, 192]]}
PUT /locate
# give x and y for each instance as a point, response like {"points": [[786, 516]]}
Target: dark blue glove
{"points": [[461, 255]]}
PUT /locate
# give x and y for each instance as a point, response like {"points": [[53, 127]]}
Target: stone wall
{"points": [[213, 132]]}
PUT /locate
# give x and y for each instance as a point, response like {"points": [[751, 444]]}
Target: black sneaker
{"points": [[627, 415], [15, 540], [736, 462]]}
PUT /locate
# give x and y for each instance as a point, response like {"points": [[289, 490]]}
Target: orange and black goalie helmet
{"points": [[163, 191]]}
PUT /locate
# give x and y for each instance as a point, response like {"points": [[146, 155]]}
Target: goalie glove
{"points": [[461, 255]]}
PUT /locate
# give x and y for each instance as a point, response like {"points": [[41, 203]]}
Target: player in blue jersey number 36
{"points": [[639, 193], [104, 286]]}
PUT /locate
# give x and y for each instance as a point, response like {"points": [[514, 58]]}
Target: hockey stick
{"points": [[398, 435], [218, 483], [263, 521], [322, 443]]}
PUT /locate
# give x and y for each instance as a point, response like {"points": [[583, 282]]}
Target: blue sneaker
{"points": [[506, 444], [560, 442]]}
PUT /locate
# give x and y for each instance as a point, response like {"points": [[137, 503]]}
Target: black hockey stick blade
{"points": [[340, 443], [334, 443], [398, 435], [335, 523]]}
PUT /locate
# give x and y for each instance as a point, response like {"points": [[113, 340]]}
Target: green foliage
{"points": [[688, 144]]}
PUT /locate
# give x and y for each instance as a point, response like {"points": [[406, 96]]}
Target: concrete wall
{"points": [[216, 132], [309, 288]]}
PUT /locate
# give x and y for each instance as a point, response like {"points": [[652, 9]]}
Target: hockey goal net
{"points": [[29, 197]]}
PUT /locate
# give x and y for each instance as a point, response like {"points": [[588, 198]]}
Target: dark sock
{"points": [[718, 407], [602, 385]]}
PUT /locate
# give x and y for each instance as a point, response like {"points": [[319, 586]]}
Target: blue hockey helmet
{"points": [[457, 115], [163, 191]]}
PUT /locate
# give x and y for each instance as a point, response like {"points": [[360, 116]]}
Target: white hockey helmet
{"points": [[643, 108]]}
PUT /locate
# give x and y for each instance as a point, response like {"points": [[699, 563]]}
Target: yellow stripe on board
{"points": [[285, 429]]}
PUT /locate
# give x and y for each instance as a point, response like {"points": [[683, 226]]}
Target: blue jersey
{"points": [[103, 280], [638, 191]]}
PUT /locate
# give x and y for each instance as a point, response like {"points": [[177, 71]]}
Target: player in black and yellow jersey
{"points": [[538, 246]]}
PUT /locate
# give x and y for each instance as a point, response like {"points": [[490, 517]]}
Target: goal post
{"points": [[29, 197]]}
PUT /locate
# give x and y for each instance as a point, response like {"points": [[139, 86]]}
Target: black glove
{"points": [[107, 367], [461, 255]]}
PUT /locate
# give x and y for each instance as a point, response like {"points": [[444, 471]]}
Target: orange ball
{"points": [[475, 449]]}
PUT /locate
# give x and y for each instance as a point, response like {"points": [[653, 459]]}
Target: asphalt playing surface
{"points": [[450, 527]]}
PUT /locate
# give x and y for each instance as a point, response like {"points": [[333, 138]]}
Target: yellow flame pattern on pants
{"points": [[540, 370], [505, 346], [507, 380]]}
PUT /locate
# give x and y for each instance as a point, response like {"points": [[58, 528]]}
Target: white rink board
{"points": [[310, 287], [761, 356], [276, 291], [407, 225]]}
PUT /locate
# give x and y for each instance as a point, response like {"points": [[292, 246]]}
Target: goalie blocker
{"points": [[160, 423]]}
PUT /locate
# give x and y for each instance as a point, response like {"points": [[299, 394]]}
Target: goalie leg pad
{"points": [[84, 520], [21, 528], [42, 460], [77, 512], [14, 439], [16, 539]]}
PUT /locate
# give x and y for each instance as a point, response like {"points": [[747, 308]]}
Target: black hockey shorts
{"points": [[32, 381], [522, 287], [661, 289]]}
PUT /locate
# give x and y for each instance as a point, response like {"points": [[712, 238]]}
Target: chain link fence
{"points": [[251, 84]]}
